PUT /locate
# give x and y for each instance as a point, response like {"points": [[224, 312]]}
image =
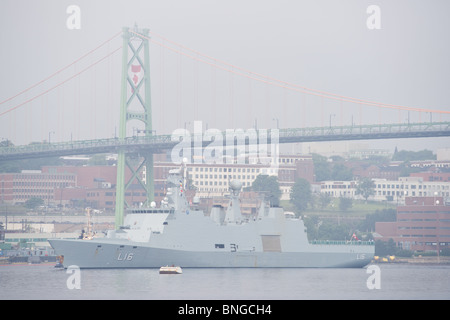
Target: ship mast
{"points": [[234, 209]]}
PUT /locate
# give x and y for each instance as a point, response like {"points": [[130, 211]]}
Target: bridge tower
{"points": [[135, 106]]}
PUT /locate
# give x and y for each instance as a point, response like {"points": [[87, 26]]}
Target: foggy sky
{"points": [[324, 45]]}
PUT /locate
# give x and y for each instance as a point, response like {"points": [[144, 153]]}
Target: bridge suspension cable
{"points": [[59, 71], [214, 62], [60, 83], [276, 82]]}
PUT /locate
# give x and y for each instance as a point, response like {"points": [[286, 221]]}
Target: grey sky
{"points": [[324, 45]]}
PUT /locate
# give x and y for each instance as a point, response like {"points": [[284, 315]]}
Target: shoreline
{"points": [[417, 261], [20, 264], [432, 261]]}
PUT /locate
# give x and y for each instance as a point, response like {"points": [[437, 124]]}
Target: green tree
{"points": [[98, 160], [324, 200], [341, 173], [332, 231], [28, 164], [404, 155], [301, 194], [384, 248], [33, 203], [336, 170], [406, 169], [345, 203], [326, 229], [312, 224], [6, 143], [365, 187], [384, 215], [322, 168], [270, 186]]}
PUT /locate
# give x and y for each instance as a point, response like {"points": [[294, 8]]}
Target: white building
{"points": [[389, 190], [337, 189], [409, 187], [212, 180]]}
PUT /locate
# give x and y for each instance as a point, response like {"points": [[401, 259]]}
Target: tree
{"points": [[345, 203], [404, 155], [98, 160], [33, 203], [384, 215], [301, 194], [28, 164], [322, 169], [324, 200], [384, 248], [335, 170], [327, 229], [331, 231], [406, 169], [365, 187], [6, 143], [269, 185], [341, 173]]}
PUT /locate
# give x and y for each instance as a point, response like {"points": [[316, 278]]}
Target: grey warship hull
{"points": [[111, 254]]}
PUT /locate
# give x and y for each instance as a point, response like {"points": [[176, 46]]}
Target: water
{"points": [[398, 281]]}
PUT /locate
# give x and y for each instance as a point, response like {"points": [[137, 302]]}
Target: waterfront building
{"points": [[422, 224], [212, 180], [338, 189], [94, 186], [390, 190], [20, 187], [398, 190]]}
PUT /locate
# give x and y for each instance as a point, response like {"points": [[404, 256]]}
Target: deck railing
{"points": [[342, 242]]}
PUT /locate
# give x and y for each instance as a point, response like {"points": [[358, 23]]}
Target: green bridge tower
{"points": [[135, 105]]}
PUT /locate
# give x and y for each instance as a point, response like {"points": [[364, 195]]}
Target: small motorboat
{"points": [[170, 270], [59, 262]]}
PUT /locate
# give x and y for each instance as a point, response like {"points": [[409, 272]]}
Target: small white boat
{"points": [[170, 270]]}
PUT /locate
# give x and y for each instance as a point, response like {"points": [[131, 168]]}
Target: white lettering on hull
{"points": [[125, 256]]}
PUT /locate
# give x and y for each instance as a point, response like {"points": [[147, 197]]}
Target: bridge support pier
{"points": [[135, 104]]}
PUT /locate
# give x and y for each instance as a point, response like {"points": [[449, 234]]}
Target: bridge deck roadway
{"points": [[158, 143]]}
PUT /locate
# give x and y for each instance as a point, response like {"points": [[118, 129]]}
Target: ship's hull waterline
{"points": [[104, 254]]}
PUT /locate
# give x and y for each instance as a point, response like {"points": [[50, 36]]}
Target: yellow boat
{"points": [[170, 270]]}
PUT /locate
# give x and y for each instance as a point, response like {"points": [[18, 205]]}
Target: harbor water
{"points": [[387, 281]]}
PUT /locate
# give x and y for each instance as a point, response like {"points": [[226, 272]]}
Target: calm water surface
{"points": [[397, 282]]}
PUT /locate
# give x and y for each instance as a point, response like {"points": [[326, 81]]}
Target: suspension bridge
{"points": [[66, 112]]}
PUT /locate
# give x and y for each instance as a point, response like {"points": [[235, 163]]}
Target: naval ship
{"points": [[180, 234]]}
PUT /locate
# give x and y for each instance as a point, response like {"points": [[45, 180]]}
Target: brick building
{"points": [[20, 187], [423, 224], [94, 186], [432, 176], [376, 172]]}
